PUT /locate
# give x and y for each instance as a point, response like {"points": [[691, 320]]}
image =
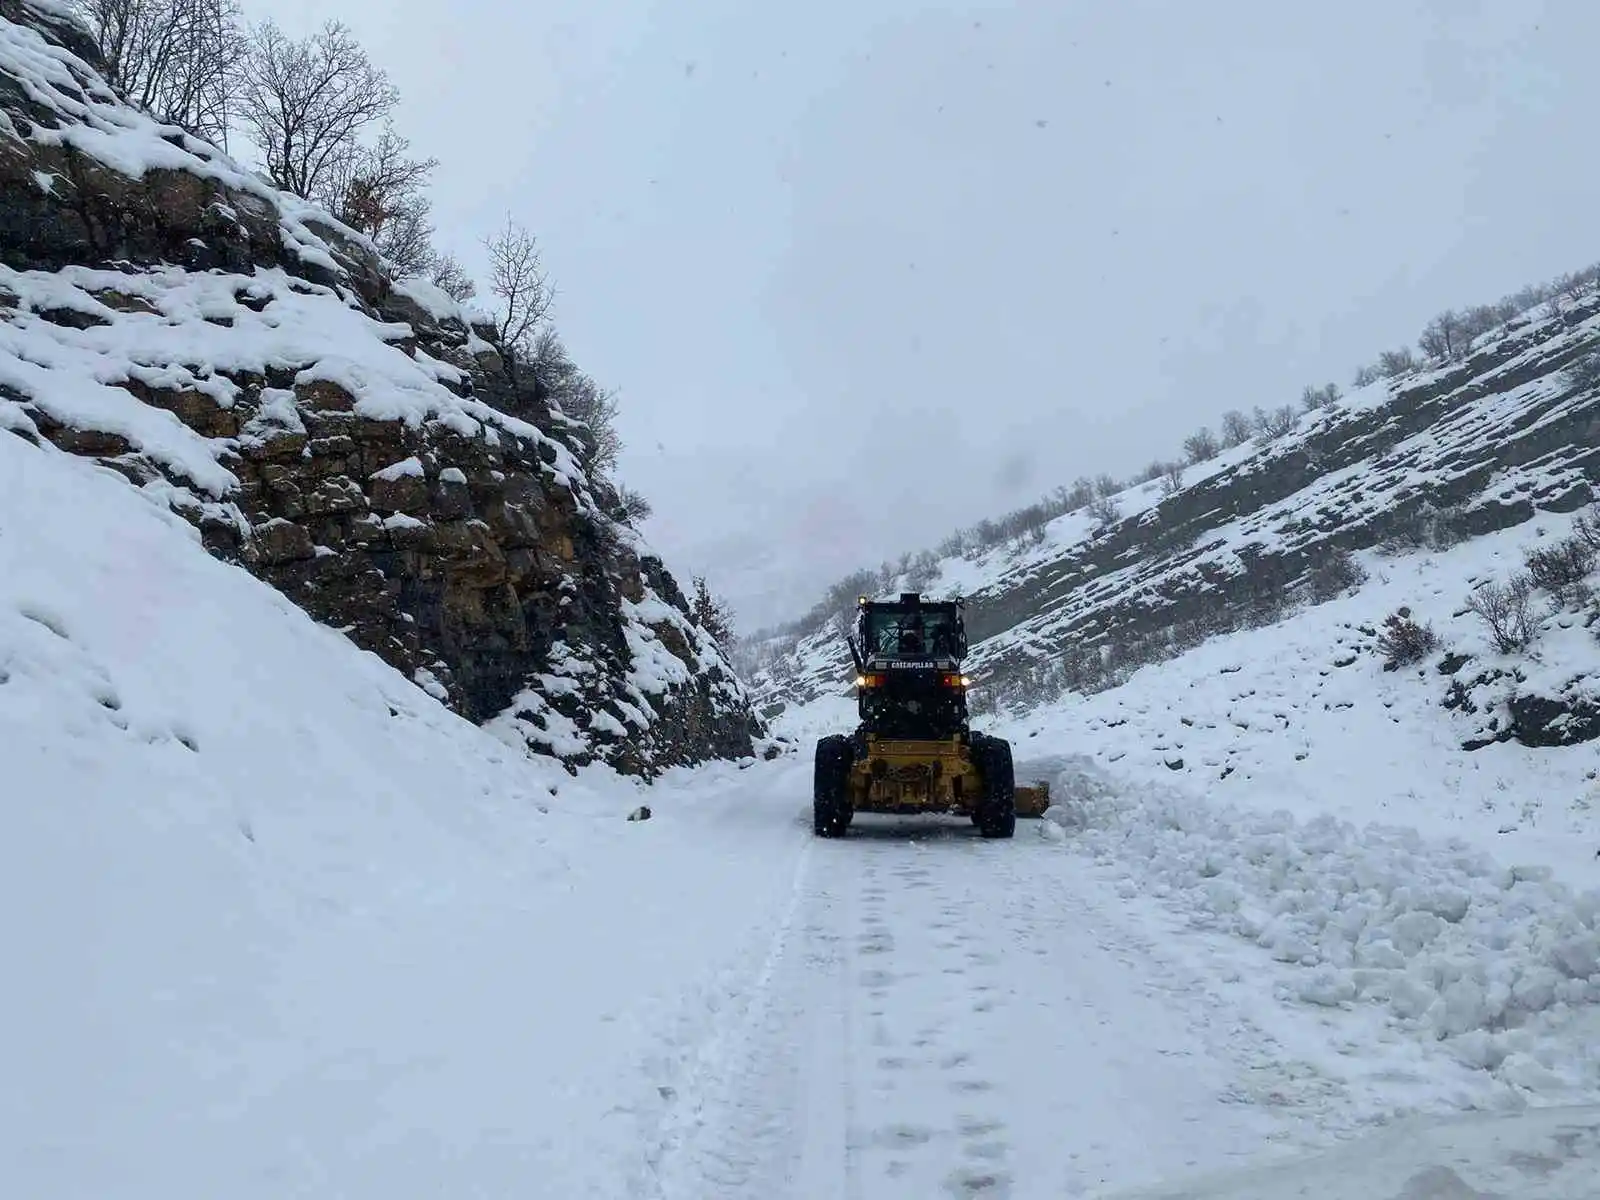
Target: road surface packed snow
{"points": [[941, 1015], [288, 927]]}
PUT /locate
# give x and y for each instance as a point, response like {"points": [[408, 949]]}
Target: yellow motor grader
{"points": [[914, 751]]}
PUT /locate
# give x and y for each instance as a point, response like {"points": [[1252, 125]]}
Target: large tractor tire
{"points": [[996, 814], [830, 796]]}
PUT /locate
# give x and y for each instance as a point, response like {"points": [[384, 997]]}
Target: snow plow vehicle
{"points": [[914, 750]]}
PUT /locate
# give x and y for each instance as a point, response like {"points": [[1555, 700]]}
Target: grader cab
{"points": [[914, 750]]}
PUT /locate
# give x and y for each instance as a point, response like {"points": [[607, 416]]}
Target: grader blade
{"points": [[1033, 799]]}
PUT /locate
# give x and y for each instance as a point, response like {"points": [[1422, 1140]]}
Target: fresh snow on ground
{"points": [[1544, 1154], [284, 925]]}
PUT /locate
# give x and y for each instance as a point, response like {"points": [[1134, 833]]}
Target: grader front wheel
{"points": [[996, 812], [830, 797]]}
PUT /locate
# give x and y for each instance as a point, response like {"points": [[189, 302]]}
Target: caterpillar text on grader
{"points": [[914, 751]]}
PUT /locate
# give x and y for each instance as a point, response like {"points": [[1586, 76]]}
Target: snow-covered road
{"points": [[944, 1015], [933, 1014]]}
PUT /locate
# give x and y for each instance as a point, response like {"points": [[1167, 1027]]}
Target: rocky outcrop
{"points": [[353, 441]]}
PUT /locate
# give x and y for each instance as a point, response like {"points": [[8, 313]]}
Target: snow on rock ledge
{"points": [[248, 362]]}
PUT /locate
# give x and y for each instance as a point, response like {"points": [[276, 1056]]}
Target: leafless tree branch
{"points": [[518, 280], [179, 59], [306, 102]]}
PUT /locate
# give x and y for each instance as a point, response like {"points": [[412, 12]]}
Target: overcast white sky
{"points": [[866, 271]]}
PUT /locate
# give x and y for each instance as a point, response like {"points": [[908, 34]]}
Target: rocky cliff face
{"points": [[355, 442]]}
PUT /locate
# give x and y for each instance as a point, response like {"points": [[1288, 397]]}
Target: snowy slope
{"points": [[1472, 446], [1302, 714], [283, 924]]}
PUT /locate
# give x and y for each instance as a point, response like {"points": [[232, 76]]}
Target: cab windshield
{"points": [[911, 634]]}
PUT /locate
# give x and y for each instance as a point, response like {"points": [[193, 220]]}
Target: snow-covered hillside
{"points": [[1345, 791], [354, 439], [1303, 714], [1505, 435], [282, 924]]}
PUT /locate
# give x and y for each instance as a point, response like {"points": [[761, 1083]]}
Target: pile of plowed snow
{"points": [[1279, 786], [1501, 964]]}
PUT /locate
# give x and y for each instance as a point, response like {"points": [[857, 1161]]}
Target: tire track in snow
{"points": [[937, 1015], [932, 1117], [1009, 1034], [726, 1117]]}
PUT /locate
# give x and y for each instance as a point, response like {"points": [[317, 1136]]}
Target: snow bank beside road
{"points": [[1548, 1154], [1500, 964], [285, 925]]}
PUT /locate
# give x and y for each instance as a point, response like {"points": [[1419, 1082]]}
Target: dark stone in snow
{"points": [[1544, 721]]}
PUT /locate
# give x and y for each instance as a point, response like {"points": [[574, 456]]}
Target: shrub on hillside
{"points": [[1425, 528], [712, 613], [632, 505], [1266, 605], [1334, 576], [1200, 446], [1563, 569], [1393, 363], [1402, 641], [1277, 423], [1314, 398], [1079, 495], [1587, 529], [1584, 371], [1236, 428], [1105, 512], [924, 569], [1447, 336], [1083, 668], [1508, 612]]}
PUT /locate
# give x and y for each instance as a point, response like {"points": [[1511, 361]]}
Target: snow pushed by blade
{"points": [[1498, 966]]}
